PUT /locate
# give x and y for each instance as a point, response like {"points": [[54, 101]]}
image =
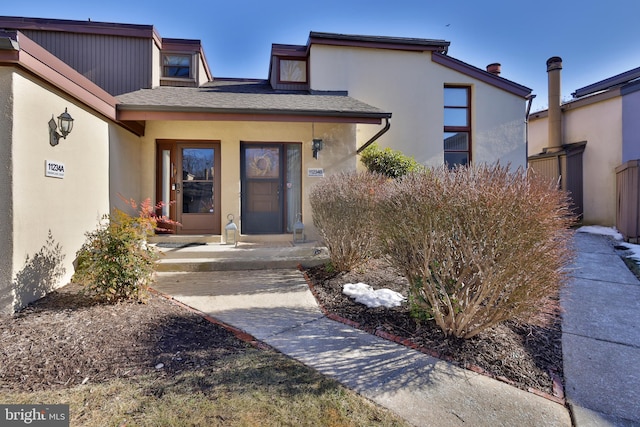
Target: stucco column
{"points": [[554, 65]]}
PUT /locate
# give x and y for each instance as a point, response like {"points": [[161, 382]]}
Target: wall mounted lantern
{"points": [[231, 232], [316, 146], [65, 123]]}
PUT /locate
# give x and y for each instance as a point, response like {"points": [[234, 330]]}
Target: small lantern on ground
{"points": [[231, 232], [298, 230]]}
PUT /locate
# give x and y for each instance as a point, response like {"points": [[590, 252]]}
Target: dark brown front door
{"points": [[189, 179], [262, 183]]}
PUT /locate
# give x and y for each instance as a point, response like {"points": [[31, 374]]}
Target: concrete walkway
{"points": [[276, 307], [601, 336]]}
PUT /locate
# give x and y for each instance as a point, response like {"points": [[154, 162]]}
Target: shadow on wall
{"points": [[40, 274]]}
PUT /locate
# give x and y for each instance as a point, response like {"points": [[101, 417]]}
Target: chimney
{"points": [[554, 65], [494, 68]]}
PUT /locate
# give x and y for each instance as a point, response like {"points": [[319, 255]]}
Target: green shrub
{"points": [[388, 162], [115, 263], [479, 245], [342, 209]]}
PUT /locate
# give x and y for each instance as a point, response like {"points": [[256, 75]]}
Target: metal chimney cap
{"points": [[554, 63]]}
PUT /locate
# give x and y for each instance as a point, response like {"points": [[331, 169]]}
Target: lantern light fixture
{"points": [[316, 146], [298, 230], [231, 232], [65, 124]]}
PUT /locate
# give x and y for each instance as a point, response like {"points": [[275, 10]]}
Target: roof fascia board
{"points": [[43, 64], [630, 88], [393, 43], [481, 75], [82, 27], [289, 50], [607, 83], [246, 116]]}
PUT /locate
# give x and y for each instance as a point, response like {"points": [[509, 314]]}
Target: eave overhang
{"points": [[377, 42], [481, 75], [146, 113]]}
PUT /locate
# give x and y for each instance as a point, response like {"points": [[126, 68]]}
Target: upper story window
{"points": [[293, 71], [177, 66], [457, 125]]}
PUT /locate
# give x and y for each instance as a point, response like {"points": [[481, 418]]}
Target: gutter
{"points": [[529, 98], [376, 136]]}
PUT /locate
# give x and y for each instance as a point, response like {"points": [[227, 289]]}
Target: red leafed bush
{"points": [[479, 245], [342, 206]]}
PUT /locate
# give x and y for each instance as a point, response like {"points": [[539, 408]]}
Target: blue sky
{"points": [[596, 40]]}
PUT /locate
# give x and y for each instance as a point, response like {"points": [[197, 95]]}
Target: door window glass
{"points": [[262, 162], [197, 180], [294, 184]]}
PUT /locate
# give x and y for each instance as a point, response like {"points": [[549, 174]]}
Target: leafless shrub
{"points": [[479, 245], [342, 206]]}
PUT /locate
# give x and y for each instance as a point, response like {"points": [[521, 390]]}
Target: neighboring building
{"points": [[150, 120], [604, 116]]}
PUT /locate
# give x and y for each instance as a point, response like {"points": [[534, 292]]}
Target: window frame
{"points": [[296, 59], [459, 129], [190, 56]]}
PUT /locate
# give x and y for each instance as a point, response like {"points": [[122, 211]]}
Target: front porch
{"points": [[182, 253]]}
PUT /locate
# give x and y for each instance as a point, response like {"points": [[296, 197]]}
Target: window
{"points": [[293, 71], [177, 66], [457, 125]]}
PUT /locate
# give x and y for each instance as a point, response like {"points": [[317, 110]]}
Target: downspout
{"points": [[376, 136], [530, 99]]}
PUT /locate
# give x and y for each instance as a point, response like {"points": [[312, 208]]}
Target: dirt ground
{"points": [[525, 354], [67, 338]]}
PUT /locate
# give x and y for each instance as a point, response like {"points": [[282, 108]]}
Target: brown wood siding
{"points": [[116, 64], [566, 168], [628, 200], [275, 79]]}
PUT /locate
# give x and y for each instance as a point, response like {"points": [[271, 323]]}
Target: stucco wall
{"points": [[630, 126], [600, 124], [338, 153], [410, 86], [6, 229], [51, 215], [156, 66], [124, 167]]}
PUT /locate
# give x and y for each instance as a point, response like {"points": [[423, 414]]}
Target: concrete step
{"points": [[194, 256]]}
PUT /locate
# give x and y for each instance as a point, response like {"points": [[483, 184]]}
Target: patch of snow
{"points": [[635, 250], [598, 229], [365, 294]]}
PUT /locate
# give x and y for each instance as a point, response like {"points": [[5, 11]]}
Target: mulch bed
{"points": [[68, 338], [526, 354]]}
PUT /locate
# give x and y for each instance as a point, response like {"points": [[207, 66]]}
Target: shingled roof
{"points": [[247, 97]]}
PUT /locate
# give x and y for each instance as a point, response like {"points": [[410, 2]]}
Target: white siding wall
{"points": [[410, 86]]}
